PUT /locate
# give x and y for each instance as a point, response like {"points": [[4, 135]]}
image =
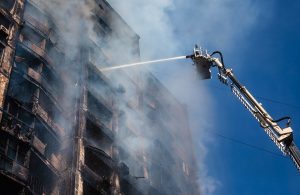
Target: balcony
{"points": [[98, 167], [16, 128], [131, 185], [52, 160], [98, 183], [95, 154], [102, 126], [99, 86], [7, 4], [3, 29], [14, 168], [99, 111], [36, 76], [42, 176], [38, 110], [38, 145], [35, 185], [40, 27], [102, 93], [56, 162], [37, 51]]}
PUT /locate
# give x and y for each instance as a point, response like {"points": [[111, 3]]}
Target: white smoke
{"points": [[170, 28]]}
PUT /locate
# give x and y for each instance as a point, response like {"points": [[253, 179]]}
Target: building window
{"points": [[7, 4], [3, 142], [12, 150], [1, 50], [3, 38]]}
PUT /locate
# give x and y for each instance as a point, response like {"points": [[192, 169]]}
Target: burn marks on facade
{"points": [[66, 128]]}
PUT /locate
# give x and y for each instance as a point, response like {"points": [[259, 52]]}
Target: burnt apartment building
{"points": [[69, 128]]}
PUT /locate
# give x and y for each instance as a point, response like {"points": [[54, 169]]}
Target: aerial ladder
{"points": [[281, 136]]}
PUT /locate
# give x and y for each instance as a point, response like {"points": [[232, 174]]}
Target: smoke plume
{"points": [[167, 28], [171, 28]]}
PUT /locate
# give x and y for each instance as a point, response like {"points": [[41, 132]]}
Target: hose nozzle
{"points": [[201, 62]]}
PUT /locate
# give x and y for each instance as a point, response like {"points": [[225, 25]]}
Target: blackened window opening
{"points": [[7, 4]]}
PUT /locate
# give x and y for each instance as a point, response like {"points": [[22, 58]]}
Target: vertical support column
{"points": [[9, 51], [78, 153]]}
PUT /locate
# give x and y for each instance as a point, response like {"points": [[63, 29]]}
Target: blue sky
{"points": [[261, 42]]}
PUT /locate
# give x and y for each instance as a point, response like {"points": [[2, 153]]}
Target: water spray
{"points": [[142, 63], [281, 136]]}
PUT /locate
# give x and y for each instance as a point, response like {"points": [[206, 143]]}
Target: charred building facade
{"points": [[68, 128]]}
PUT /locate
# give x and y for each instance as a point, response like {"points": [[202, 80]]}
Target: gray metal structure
{"points": [[281, 136]]}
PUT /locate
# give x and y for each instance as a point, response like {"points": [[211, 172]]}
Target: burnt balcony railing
{"points": [[3, 29], [12, 167], [57, 162], [52, 162], [103, 95], [36, 24], [35, 185], [43, 82], [40, 52], [42, 148], [105, 128], [101, 155], [37, 109], [94, 179], [16, 127], [39, 145], [35, 75], [7, 4]]}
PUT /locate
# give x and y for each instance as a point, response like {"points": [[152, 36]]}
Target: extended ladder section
{"points": [[281, 136]]}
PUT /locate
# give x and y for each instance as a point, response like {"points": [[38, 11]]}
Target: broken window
{"points": [[99, 110], [36, 19], [20, 123], [25, 60], [47, 138], [95, 78], [47, 105], [26, 117], [50, 77], [42, 178], [28, 36], [51, 114], [21, 89], [4, 22], [3, 38], [5, 163], [11, 107], [2, 47], [35, 14], [98, 138], [12, 150], [89, 189], [22, 153], [104, 25], [101, 28], [3, 142], [98, 161], [29, 64], [4, 27], [7, 4]]}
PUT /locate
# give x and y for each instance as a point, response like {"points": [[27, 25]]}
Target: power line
{"points": [[277, 102], [269, 100], [247, 144]]}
